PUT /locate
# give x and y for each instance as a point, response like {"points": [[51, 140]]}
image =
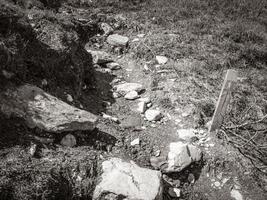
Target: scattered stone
{"points": [[68, 141], [146, 67], [158, 162], [42, 110], [135, 142], [141, 107], [136, 40], [145, 99], [157, 153], [236, 194], [116, 95], [186, 134], [105, 116], [174, 192], [181, 155], [149, 105], [117, 40], [106, 28], [128, 180], [162, 60], [32, 150], [113, 66], [7, 75], [99, 57], [69, 98], [141, 35], [132, 95], [128, 87], [153, 115], [44, 82]]}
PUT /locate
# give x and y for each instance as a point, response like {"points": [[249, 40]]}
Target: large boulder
{"points": [[42, 110], [127, 180]]}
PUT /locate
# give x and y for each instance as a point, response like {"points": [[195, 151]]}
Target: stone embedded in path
{"points": [[162, 60], [235, 194], [174, 192], [128, 87], [132, 95], [153, 115], [99, 57], [117, 40], [42, 110], [135, 142], [128, 180], [181, 155]]}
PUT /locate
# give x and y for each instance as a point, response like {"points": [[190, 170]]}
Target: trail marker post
{"points": [[224, 99]]}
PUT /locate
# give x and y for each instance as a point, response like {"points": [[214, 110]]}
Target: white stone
{"points": [[153, 115], [107, 29], [68, 140], [236, 194], [149, 105], [113, 65], [69, 98], [135, 142], [44, 82], [105, 116], [178, 157], [174, 192], [217, 184], [141, 35], [117, 40], [128, 180], [186, 134], [146, 67], [128, 87], [162, 60], [132, 95], [141, 107], [42, 110], [136, 40]]}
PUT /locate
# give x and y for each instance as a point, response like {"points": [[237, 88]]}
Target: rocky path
{"points": [[160, 134]]}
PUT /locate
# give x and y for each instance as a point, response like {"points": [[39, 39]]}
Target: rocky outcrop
{"points": [[127, 180], [42, 110]]}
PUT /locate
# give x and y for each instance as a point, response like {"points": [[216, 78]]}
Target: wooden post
{"points": [[224, 99]]}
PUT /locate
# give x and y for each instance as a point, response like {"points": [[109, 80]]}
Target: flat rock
{"points": [[162, 60], [42, 110], [99, 57], [117, 40], [132, 95], [181, 155], [153, 115], [128, 180], [128, 87]]}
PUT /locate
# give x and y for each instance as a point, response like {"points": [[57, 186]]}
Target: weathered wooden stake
{"points": [[224, 99]]}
